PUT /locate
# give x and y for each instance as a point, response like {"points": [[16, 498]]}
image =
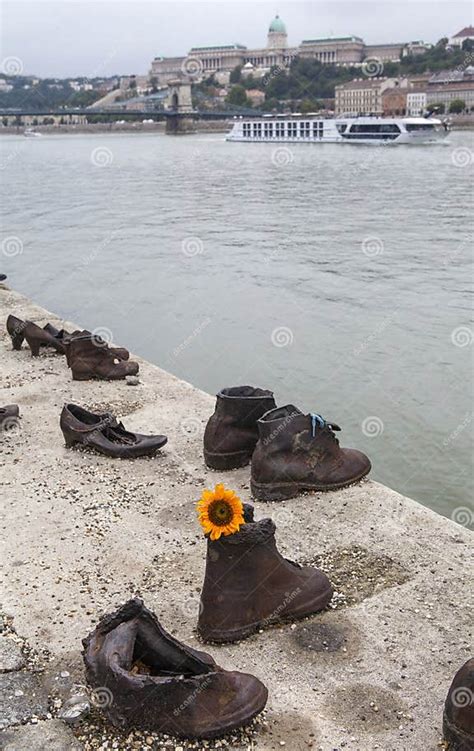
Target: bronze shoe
{"points": [[90, 357], [105, 434], [248, 585], [231, 432], [458, 717], [297, 452], [118, 352], [9, 416], [148, 680], [36, 337]]}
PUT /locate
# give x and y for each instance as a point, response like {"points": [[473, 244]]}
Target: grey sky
{"points": [[104, 37]]}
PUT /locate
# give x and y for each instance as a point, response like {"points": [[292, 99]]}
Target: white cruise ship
{"points": [[298, 128]]}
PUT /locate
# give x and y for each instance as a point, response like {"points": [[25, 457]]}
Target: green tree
{"points": [[457, 106], [237, 96], [236, 75]]}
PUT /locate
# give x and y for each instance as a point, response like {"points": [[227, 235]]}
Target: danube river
{"points": [[339, 276]]}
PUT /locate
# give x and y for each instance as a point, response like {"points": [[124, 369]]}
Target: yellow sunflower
{"points": [[220, 512]]}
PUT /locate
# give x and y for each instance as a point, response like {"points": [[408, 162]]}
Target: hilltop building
{"points": [[220, 60], [458, 39]]}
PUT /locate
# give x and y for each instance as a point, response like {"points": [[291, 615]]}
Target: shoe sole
{"points": [[244, 633], [282, 491], [71, 443], [457, 739], [80, 377], [227, 461]]}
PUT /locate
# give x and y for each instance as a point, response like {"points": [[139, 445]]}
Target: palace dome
{"points": [[277, 26]]}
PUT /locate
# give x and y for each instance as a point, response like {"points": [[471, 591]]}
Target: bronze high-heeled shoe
{"points": [[37, 337], [15, 327]]}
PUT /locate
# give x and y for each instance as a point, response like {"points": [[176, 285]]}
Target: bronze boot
{"points": [[297, 452], [248, 585], [119, 352], [458, 717], [148, 680], [231, 432], [89, 357]]}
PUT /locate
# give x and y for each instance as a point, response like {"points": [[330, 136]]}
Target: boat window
{"points": [[419, 126], [368, 131], [341, 127]]}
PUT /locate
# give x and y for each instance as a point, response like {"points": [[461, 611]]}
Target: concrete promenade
{"points": [[82, 533]]}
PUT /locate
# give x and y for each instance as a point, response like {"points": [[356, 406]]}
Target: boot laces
{"points": [[319, 423]]}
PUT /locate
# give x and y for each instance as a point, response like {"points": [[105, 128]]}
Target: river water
{"points": [[339, 276]]}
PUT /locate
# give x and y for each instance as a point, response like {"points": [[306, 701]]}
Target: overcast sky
{"points": [[68, 38]]}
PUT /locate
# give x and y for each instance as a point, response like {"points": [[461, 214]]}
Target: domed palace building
{"points": [[201, 62]]}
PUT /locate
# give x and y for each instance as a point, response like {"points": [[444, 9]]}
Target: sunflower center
{"points": [[220, 513]]}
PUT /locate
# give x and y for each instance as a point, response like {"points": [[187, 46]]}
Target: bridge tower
{"points": [[179, 104]]}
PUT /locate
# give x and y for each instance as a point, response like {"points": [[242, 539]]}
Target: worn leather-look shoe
{"points": [[154, 682], [15, 327], [297, 452], [105, 434], [36, 337], [231, 432], [248, 585], [458, 717], [9, 416], [90, 357], [118, 352]]}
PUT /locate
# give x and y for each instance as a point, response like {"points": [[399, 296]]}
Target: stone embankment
{"points": [[82, 533]]}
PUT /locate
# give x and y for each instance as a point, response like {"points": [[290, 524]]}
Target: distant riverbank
{"points": [[461, 122], [201, 126]]}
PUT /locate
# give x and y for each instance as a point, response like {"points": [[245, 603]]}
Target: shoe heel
{"points": [[34, 346], [17, 340], [227, 461], [81, 376], [267, 492]]}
